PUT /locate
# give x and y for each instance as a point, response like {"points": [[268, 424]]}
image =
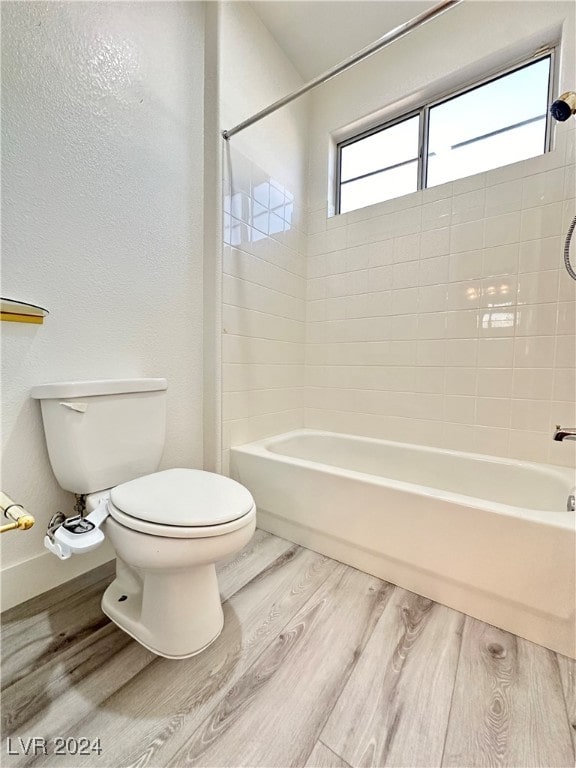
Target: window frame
{"points": [[549, 51]]}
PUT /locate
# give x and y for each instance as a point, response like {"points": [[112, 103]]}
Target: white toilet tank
{"points": [[103, 433]]}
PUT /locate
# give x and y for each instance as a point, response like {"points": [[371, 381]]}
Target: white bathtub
{"points": [[490, 537]]}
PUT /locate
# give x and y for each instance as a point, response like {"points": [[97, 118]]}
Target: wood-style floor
{"points": [[318, 665]]}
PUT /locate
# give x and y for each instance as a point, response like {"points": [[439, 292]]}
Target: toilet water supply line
{"points": [[67, 536], [21, 519]]}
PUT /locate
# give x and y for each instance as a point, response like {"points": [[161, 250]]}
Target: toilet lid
{"points": [[183, 497]]}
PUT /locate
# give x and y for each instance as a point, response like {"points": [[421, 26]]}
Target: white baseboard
{"points": [[32, 577]]}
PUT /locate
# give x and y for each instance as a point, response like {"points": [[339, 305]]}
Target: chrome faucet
{"points": [[564, 433]]}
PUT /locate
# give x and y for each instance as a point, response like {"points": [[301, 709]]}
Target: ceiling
{"points": [[316, 35]]}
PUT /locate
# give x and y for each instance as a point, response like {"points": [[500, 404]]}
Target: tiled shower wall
{"points": [[263, 259], [264, 306], [446, 317]]}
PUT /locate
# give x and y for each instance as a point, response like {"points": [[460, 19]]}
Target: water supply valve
{"points": [[76, 535]]}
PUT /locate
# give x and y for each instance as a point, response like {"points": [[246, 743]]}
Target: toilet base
{"points": [[174, 614]]}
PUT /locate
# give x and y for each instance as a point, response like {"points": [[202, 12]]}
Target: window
{"points": [[485, 126]]}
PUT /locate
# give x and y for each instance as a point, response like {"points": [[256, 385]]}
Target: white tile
{"points": [[543, 188], [370, 230], [503, 198], [324, 242], [462, 324], [371, 211], [494, 382], [431, 352], [538, 287], [465, 295], [499, 291], [246, 322], [433, 271], [568, 208], [561, 412], [533, 383], [500, 260], [541, 254], [401, 353], [467, 237], [461, 381], [459, 409], [432, 325], [506, 173], [412, 200], [436, 214], [405, 275], [491, 441], [380, 278], [533, 415], [461, 352], [406, 248], [435, 242], [536, 320], [566, 286], [566, 351], [496, 322], [493, 411], [430, 194], [381, 253], [501, 230], [562, 453], [567, 317], [496, 353], [404, 301], [570, 181], [469, 183], [527, 445], [544, 221], [406, 222], [432, 298], [468, 206], [379, 303], [404, 327], [315, 222], [430, 379], [457, 437], [534, 352], [465, 266]]}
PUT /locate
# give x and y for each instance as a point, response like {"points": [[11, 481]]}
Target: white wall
{"points": [[102, 119], [406, 299], [263, 311]]}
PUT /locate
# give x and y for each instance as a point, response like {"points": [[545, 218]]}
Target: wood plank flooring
{"points": [[319, 666]]}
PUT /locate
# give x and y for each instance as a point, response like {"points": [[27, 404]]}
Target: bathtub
{"points": [[490, 537]]}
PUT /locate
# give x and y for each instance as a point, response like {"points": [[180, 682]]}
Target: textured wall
{"points": [[102, 119]]}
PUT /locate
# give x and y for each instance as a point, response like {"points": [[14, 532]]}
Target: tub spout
{"points": [[564, 433]]}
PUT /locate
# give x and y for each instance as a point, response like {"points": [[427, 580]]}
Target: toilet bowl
{"points": [[168, 528]]}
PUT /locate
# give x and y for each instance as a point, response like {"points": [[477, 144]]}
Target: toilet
{"points": [[168, 528]]}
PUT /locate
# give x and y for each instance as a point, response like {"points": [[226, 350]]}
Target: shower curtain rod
{"points": [[382, 42]]}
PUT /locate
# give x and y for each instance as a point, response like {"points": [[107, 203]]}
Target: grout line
{"points": [[266, 314]]}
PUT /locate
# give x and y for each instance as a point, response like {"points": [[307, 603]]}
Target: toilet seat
{"points": [[182, 503]]}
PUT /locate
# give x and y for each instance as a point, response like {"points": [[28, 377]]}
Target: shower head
{"points": [[564, 106]]}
